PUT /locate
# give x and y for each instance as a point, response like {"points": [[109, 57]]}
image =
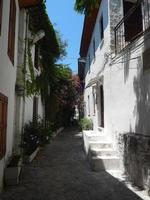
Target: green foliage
{"points": [[51, 47], [35, 134], [32, 86], [86, 124], [64, 96], [51, 44], [86, 6]]}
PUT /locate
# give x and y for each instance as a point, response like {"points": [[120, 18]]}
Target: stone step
{"points": [[93, 136], [100, 163], [102, 152], [100, 145], [98, 137], [117, 174]]}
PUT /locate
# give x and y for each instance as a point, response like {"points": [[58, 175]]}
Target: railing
{"points": [[132, 25]]}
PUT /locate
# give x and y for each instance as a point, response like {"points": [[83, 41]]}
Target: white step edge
{"points": [[105, 157]]}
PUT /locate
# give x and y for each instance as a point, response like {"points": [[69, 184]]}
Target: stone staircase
{"points": [[100, 152]]}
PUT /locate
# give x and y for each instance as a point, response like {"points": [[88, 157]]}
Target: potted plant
{"points": [[12, 170]]}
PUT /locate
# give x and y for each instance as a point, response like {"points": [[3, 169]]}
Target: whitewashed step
{"points": [[117, 174], [100, 145], [103, 152], [100, 163], [99, 138], [93, 136]]}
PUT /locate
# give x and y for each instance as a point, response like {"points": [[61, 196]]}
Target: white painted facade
{"points": [[19, 111], [125, 83], [8, 78]]}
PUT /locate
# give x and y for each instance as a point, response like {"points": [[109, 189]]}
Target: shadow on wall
{"points": [[126, 61], [136, 143], [141, 86]]}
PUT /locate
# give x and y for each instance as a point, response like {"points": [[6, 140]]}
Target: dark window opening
{"points": [[35, 109], [101, 28], [93, 95], [89, 62], [89, 105], [102, 105], [36, 57], [1, 6], [133, 20], [11, 34], [93, 48], [3, 124]]}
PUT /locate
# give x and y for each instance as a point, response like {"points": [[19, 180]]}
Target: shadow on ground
{"points": [[61, 172]]}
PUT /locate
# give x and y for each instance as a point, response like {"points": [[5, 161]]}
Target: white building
{"points": [[116, 47], [14, 112]]}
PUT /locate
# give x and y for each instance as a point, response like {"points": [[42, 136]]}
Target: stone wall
{"points": [[135, 152], [116, 14]]}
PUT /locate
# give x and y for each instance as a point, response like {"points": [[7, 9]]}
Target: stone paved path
{"points": [[61, 172]]}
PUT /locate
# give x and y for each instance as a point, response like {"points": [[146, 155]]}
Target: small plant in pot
{"points": [[12, 170]]}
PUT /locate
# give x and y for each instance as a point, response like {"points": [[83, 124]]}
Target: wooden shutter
{"points": [[11, 34], [3, 124], [1, 6]]}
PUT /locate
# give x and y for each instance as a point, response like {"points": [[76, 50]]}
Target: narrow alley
{"points": [[61, 172]]}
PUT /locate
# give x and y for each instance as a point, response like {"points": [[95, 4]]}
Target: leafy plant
{"points": [[86, 124], [35, 134]]}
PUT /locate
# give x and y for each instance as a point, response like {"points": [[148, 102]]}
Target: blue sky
{"points": [[69, 24]]}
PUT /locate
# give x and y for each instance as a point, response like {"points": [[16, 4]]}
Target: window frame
{"points": [[11, 33], [89, 62], [101, 27], [3, 124], [1, 13], [94, 48], [94, 102], [89, 111], [36, 57]]}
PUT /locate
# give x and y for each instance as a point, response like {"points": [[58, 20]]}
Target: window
{"points": [[88, 105], [11, 33], [1, 6], [133, 23], [101, 27], [35, 109], [102, 105], [93, 95], [89, 62], [94, 48], [3, 124], [36, 57]]}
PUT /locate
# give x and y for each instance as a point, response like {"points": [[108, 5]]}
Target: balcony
{"points": [[29, 3], [136, 20]]}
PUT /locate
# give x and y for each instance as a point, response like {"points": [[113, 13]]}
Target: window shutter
{"points": [[3, 124], [11, 34], [1, 6]]}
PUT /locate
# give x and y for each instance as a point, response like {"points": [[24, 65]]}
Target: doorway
{"points": [[101, 107]]}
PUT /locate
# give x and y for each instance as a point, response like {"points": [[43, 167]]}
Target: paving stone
{"points": [[61, 172]]}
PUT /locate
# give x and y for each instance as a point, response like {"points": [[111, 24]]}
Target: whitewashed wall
{"points": [[97, 64], [126, 84], [8, 77]]}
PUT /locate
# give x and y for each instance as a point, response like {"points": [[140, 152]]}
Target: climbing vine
{"points": [[32, 87]]}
